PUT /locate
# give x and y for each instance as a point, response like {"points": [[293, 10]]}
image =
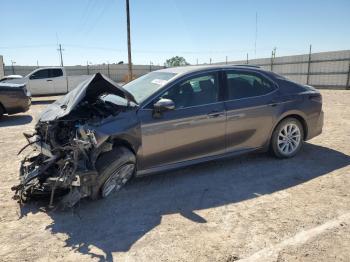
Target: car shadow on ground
{"points": [[115, 224], [15, 120], [43, 102]]}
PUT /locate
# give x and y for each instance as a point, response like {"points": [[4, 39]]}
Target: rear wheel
{"points": [[115, 168], [2, 111], [287, 138]]}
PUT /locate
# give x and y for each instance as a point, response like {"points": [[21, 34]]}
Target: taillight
{"points": [[26, 91]]}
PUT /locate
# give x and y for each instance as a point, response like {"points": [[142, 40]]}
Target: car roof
{"points": [[198, 68]]}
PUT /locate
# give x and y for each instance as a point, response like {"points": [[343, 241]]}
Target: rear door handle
{"points": [[214, 114], [49, 80]]}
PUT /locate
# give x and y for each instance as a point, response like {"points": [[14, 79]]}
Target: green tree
{"points": [[176, 61]]}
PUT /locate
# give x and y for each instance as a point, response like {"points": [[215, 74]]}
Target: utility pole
{"points": [[37, 63], [273, 55], [87, 67], [60, 50], [348, 79], [309, 67], [256, 33], [129, 40], [210, 61], [247, 59], [226, 60], [13, 67], [109, 74]]}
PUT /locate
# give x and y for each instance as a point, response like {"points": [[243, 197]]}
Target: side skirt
{"points": [[178, 165]]}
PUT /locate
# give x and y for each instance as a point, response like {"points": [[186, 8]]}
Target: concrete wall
{"points": [[323, 70], [116, 72], [2, 73]]}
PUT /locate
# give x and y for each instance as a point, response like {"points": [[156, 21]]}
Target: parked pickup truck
{"points": [[49, 81]]}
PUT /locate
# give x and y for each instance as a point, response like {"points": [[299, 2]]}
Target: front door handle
{"points": [[49, 80], [235, 117]]}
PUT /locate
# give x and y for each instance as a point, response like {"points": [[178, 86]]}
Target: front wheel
{"points": [[287, 138], [115, 168]]}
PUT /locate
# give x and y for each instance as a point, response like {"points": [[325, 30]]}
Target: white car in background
{"points": [[49, 81]]}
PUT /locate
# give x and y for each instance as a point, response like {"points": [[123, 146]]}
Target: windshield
{"points": [[144, 86]]}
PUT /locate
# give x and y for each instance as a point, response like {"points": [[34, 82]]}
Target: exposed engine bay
{"points": [[67, 142]]}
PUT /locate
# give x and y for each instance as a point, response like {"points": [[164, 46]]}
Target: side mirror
{"points": [[163, 105], [32, 76]]}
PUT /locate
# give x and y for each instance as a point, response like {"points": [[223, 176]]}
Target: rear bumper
{"points": [[28, 103], [315, 126], [20, 106]]}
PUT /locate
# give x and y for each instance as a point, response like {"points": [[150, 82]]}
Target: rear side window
{"points": [[56, 72], [44, 73], [245, 84]]}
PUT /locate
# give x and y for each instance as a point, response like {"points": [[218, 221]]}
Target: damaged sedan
{"points": [[92, 141]]}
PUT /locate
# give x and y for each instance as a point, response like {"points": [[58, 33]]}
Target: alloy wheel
{"points": [[289, 139], [118, 179]]}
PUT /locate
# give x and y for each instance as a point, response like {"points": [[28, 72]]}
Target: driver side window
{"points": [[41, 74], [195, 91]]}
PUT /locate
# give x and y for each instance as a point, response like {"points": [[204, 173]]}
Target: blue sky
{"points": [[95, 31]]}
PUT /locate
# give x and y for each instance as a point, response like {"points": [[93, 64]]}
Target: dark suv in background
{"points": [[99, 135], [14, 98]]}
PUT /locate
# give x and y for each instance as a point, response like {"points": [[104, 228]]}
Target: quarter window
{"points": [[194, 92], [243, 85]]}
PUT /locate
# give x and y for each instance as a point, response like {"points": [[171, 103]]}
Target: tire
{"points": [[115, 167], [287, 138], [2, 111]]}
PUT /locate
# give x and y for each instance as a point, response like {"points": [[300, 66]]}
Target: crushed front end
{"points": [[60, 162], [65, 146]]}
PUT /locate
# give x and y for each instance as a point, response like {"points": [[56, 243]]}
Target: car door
{"points": [[194, 129], [39, 82], [251, 105], [59, 81]]}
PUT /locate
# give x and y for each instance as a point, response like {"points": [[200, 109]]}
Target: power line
{"points": [[98, 17], [86, 17], [27, 46], [161, 51], [146, 51]]}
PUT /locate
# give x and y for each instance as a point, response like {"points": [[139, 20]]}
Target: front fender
{"points": [[124, 127]]}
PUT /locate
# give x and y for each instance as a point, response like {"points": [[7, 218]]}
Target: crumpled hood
{"points": [[89, 90]]}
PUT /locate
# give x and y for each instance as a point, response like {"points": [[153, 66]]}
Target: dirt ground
{"points": [[253, 207]]}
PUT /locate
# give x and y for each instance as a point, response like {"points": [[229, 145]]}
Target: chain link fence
{"points": [[329, 70], [322, 70], [116, 72]]}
